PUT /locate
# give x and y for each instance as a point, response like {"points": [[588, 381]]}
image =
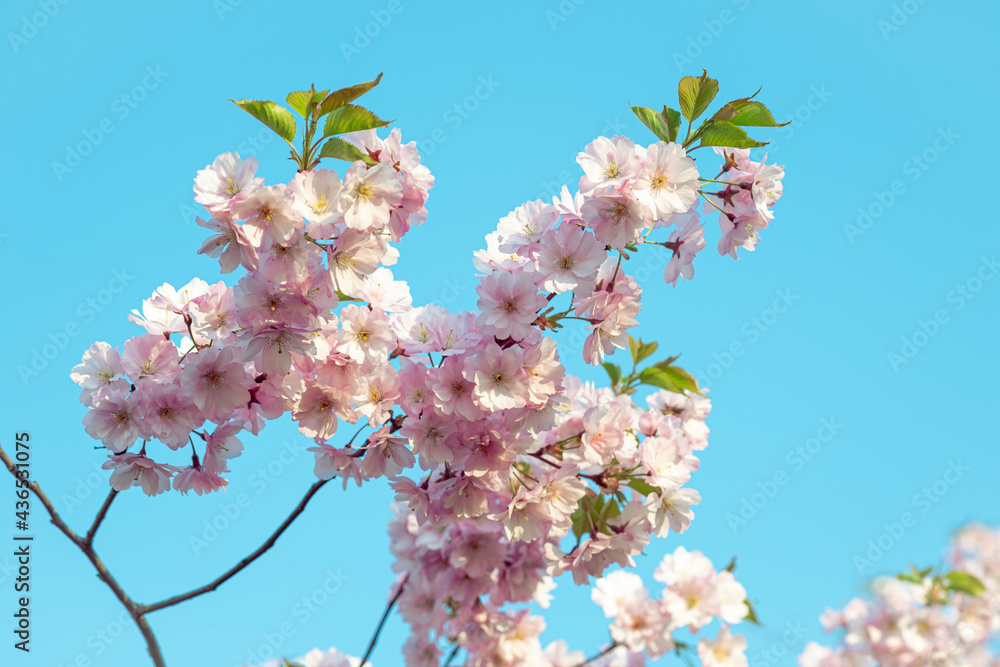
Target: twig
{"points": [[233, 571], [603, 653], [378, 630], [89, 538], [84, 544]]}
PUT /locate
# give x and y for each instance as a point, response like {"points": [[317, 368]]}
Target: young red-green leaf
{"points": [[341, 150], [754, 114], [301, 100], [963, 582], [339, 98], [729, 108], [271, 114], [696, 93], [657, 123], [351, 118], [724, 133]]}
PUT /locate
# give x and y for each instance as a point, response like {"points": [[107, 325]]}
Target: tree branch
{"points": [[603, 653], [378, 630], [89, 538], [233, 571], [84, 544]]}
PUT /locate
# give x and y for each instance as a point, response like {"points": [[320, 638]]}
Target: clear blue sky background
{"points": [[866, 100]]}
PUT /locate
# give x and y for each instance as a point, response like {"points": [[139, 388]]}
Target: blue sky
{"points": [[851, 359]]}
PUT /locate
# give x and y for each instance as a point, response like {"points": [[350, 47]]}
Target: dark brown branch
{"points": [[89, 538], [233, 571], [378, 630]]}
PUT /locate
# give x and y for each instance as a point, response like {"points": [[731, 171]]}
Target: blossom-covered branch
{"points": [[948, 615], [507, 471]]}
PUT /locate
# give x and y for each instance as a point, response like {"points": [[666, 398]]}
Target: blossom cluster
{"points": [[525, 472], [226, 359], [922, 618], [694, 595]]}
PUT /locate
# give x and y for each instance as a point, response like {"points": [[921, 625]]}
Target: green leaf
{"points": [[351, 118], [696, 93], [963, 582], [657, 123], [667, 362], [614, 372], [646, 350], [644, 487], [341, 150], [271, 114], [289, 663], [670, 378], [673, 117], [302, 100], [609, 509], [754, 114], [581, 518], [907, 576], [640, 350], [339, 98], [724, 133], [751, 614]]}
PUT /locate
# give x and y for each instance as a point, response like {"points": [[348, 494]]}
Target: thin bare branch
{"points": [[84, 544], [385, 616], [233, 571], [89, 538]]}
